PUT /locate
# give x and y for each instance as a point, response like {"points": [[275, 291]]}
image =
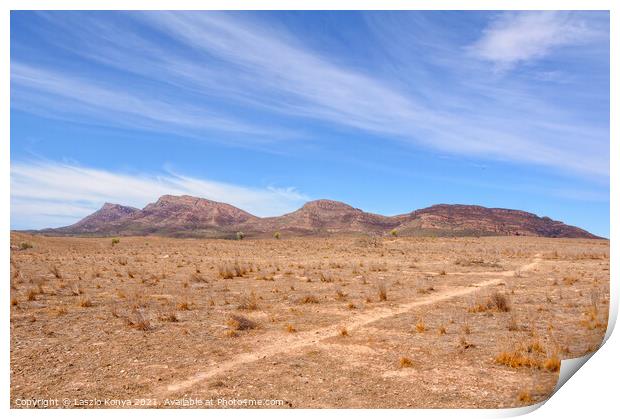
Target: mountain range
{"points": [[188, 216]]}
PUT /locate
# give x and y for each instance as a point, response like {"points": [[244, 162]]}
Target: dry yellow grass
{"points": [[525, 397], [166, 310], [420, 326], [405, 362]]}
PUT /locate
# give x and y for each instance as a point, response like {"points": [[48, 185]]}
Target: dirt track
{"points": [[78, 335]]}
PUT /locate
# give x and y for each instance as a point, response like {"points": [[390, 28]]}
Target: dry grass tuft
{"points": [[290, 328], [464, 344], [32, 294], [308, 299], [405, 362], [495, 302], [184, 305], [76, 289], [552, 363], [382, 291], [237, 322], [86, 302], [61, 311], [231, 333], [344, 332], [229, 270], [168, 316], [248, 302], [139, 320], [569, 280], [513, 326], [198, 277], [326, 277], [340, 295], [54, 270], [517, 359], [525, 397], [420, 327]]}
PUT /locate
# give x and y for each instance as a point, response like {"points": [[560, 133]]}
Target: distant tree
{"points": [[394, 233], [240, 235], [276, 235]]}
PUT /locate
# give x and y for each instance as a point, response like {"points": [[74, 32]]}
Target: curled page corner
{"points": [[520, 411], [568, 367]]}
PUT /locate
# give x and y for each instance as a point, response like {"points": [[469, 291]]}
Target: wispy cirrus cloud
{"points": [[515, 37], [237, 64], [41, 197], [50, 93]]}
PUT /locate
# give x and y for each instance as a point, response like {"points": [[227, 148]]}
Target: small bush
{"points": [[115, 241], [237, 322], [25, 246], [500, 302], [276, 235], [495, 302], [240, 235]]}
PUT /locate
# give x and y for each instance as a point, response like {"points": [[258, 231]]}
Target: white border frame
{"points": [[593, 392]]}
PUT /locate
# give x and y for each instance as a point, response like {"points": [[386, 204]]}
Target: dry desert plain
{"points": [[343, 322]]}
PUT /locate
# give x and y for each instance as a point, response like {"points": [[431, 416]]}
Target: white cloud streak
{"points": [[516, 37], [50, 93], [242, 62], [51, 194]]}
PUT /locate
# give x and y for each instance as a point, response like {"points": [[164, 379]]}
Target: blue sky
{"points": [[387, 111]]}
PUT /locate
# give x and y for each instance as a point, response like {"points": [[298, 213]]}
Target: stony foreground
{"points": [[338, 322]]}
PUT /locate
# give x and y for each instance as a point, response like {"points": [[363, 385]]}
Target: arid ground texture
{"points": [[342, 322]]}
